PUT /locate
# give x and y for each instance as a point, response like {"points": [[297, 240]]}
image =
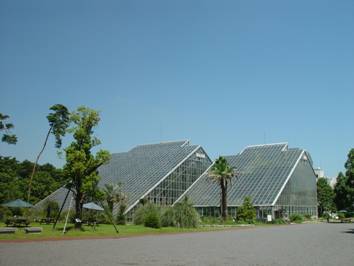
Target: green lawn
{"points": [[102, 230]]}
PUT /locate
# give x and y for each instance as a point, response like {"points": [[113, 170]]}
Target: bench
{"points": [[47, 221], [17, 221], [7, 230], [33, 230]]}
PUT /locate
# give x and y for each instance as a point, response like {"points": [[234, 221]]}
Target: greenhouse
{"points": [[159, 173], [280, 181]]}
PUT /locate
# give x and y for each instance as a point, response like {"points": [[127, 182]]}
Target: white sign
{"points": [[200, 155], [269, 218]]}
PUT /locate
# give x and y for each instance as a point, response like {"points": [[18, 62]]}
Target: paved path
{"points": [[307, 244]]}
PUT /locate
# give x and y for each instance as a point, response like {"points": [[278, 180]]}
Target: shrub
{"points": [[168, 217], [51, 209], [279, 221], [341, 215], [185, 214], [121, 218], [247, 212], [210, 220], [4, 213], [296, 218], [307, 216], [152, 218], [139, 215], [148, 215]]}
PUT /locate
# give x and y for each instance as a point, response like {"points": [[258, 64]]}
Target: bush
{"points": [[296, 218], [211, 220], [148, 215], [279, 221], [341, 215], [247, 212], [152, 219], [168, 217], [121, 218], [307, 216], [185, 214], [4, 213], [51, 209], [139, 215]]}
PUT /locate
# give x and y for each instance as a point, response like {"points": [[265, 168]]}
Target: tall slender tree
{"points": [[325, 196], [59, 121], [81, 165], [222, 173], [340, 189], [6, 127], [349, 166], [344, 188]]}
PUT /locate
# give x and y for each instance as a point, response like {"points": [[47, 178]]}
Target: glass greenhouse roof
{"points": [[142, 167], [262, 171], [139, 169]]}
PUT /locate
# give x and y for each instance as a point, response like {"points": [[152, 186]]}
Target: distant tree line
{"points": [[14, 178], [341, 197]]}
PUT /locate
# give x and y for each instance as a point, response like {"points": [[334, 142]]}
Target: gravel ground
{"points": [[306, 244]]}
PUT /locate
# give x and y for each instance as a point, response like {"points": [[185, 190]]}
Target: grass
{"points": [[103, 230]]}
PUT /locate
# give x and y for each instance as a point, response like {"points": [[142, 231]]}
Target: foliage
{"points": [[344, 188], [246, 212], [325, 196], [152, 218], [168, 217], [113, 194], [185, 214], [4, 213], [6, 127], [340, 189], [341, 215], [51, 209], [58, 123], [142, 211], [349, 166], [14, 176], [307, 216], [121, 217], [210, 220], [81, 165], [222, 173], [279, 221], [296, 218]]}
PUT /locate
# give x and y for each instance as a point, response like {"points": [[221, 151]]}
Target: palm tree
{"points": [[222, 173], [113, 194]]}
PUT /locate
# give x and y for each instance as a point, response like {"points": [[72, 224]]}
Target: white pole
{"points": [[67, 215]]}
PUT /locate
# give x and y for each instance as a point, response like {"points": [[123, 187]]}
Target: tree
{"points": [[247, 212], [14, 177], [113, 194], [349, 166], [344, 188], [6, 127], [325, 196], [222, 173], [340, 190], [81, 165], [59, 121]]}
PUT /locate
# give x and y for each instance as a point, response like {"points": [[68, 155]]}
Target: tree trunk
{"points": [[78, 210], [35, 164], [223, 186]]}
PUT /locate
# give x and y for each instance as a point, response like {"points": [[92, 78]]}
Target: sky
{"points": [[223, 74]]}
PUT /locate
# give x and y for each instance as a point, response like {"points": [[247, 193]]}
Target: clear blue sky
{"points": [[224, 74]]}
